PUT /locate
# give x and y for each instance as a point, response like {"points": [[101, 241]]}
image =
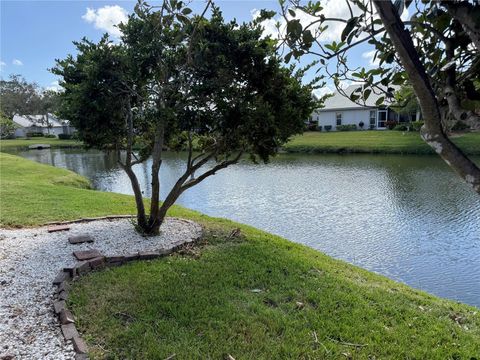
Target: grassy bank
{"points": [[9, 144], [387, 142], [256, 296]]}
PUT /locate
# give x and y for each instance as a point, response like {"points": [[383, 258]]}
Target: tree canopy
{"points": [[435, 51], [178, 81], [20, 97]]}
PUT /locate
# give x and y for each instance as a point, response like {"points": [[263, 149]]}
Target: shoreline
{"points": [[275, 280]]}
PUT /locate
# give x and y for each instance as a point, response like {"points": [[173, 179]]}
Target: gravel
{"points": [[31, 258]]}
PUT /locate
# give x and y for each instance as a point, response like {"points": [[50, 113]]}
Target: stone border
{"points": [[89, 219], [67, 275]]}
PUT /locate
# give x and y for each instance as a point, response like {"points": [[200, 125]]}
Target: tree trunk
{"points": [[154, 226], [432, 131], [464, 13], [141, 217]]}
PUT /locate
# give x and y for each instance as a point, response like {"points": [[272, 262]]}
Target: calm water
{"points": [[407, 217]]}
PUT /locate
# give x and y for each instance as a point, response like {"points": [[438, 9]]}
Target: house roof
{"points": [[339, 101], [38, 120]]}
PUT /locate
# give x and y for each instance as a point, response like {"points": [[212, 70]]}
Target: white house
{"points": [[45, 124], [340, 110]]}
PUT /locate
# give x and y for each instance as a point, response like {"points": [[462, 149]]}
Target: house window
{"points": [[373, 118], [339, 118]]}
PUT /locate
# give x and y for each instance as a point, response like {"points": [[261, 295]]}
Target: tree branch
{"points": [[432, 131]]}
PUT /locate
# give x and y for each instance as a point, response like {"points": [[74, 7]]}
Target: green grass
{"points": [[389, 142], [9, 144], [32, 194], [256, 296]]}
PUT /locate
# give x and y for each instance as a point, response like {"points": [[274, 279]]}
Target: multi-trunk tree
{"points": [[214, 89], [436, 52]]}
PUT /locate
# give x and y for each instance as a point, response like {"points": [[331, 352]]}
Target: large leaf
{"points": [[351, 23]]}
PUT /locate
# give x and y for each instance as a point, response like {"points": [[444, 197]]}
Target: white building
{"points": [[45, 124], [340, 110]]}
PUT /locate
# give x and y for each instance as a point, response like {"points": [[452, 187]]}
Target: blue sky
{"points": [[35, 33]]}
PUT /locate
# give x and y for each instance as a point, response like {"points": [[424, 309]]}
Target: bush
{"points": [[349, 127], [312, 127], [390, 124], [7, 127], [371, 127], [50, 136], [417, 125], [320, 128], [459, 126], [64, 136], [328, 127], [361, 124], [401, 127], [34, 134]]}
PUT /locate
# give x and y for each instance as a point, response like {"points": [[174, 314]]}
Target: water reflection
{"points": [[408, 217]]}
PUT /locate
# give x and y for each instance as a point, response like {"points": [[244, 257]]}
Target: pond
{"points": [[407, 217]]}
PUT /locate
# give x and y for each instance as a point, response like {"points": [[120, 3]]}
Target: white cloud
{"points": [[54, 86], [369, 55], [17, 62], [2, 64], [107, 18], [331, 9]]}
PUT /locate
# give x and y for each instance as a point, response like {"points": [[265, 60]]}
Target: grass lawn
{"points": [[7, 144], [256, 296], [392, 142]]}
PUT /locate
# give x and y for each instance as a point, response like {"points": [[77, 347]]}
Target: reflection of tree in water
{"points": [[424, 185]]}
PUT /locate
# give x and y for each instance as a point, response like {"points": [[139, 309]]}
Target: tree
{"points": [[180, 81], [436, 52], [7, 127], [405, 101], [18, 96]]}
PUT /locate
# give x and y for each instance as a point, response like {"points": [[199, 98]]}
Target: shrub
{"points": [[7, 127], [312, 127], [320, 128], [417, 125], [390, 124], [34, 134], [371, 127], [64, 136], [361, 124], [328, 127], [401, 127], [346, 127], [50, 136], [459, 126]]}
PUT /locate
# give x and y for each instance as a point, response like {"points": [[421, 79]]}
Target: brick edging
{"points": [[81, 268]]}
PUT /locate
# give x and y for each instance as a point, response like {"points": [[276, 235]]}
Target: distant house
{"points": [[340, 110], [45, 124]]}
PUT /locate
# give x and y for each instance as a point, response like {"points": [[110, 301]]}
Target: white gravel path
{"points": [[31, 258]]}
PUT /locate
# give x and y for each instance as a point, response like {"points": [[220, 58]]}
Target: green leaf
{"points": [[377, 71], [354, 97], [294, 29], [330, 47], [366, 94], [288, 57], [186, 11], [380, 101], [351, 23], [308, 37], [292, 13]]}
